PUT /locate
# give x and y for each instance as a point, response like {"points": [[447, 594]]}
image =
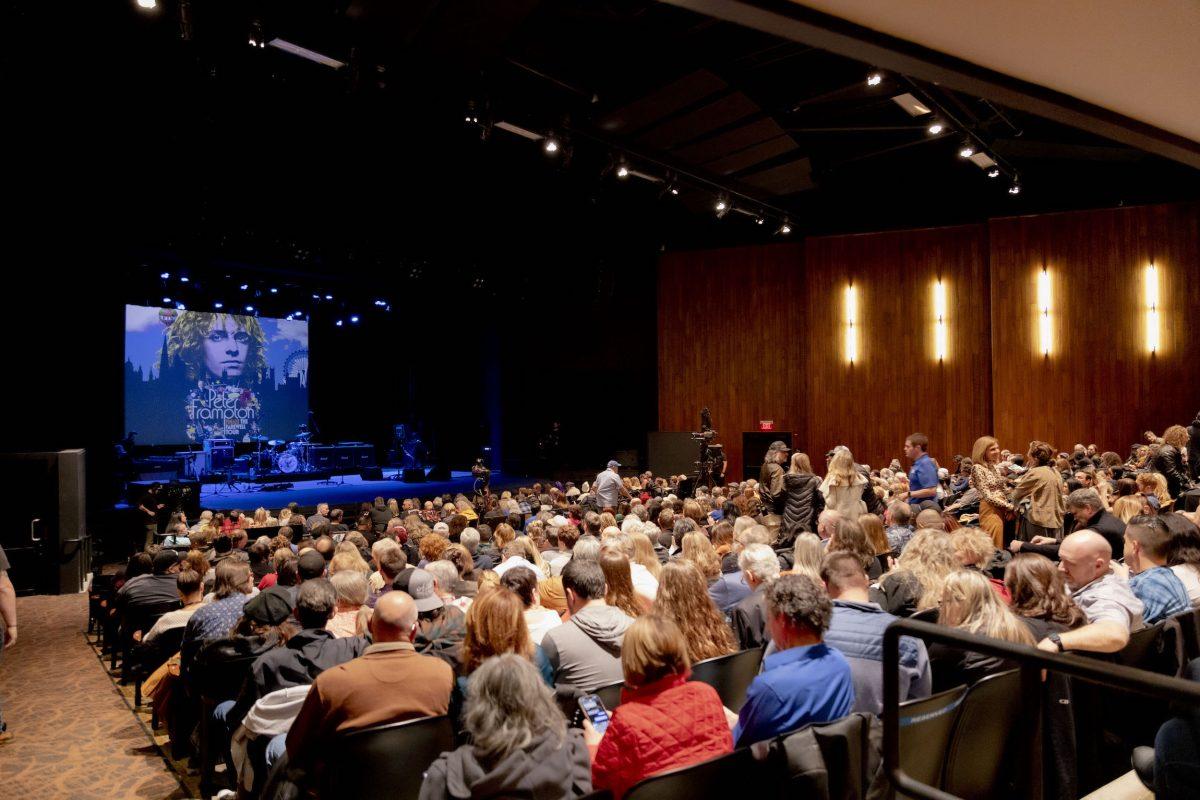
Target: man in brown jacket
{"points": [[389, 682]]}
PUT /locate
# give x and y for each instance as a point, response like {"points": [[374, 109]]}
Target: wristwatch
{"points": [[1054, 637]]}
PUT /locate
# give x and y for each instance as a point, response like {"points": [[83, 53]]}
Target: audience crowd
{"points": [[283, 631]]}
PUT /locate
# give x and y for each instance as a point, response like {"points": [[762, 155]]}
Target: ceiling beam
{"points": [[792, 21]]}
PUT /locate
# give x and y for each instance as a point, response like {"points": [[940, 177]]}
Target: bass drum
{"points": [[288, 463]]}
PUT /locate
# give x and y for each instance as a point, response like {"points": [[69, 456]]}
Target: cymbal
{"points": [[258, 438]]}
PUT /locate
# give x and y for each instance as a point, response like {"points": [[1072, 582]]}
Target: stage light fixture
{"points": [[674, 191], [850, 303], [338, 323], [1014, 189], [147, 4], [936, 128], [967, 150], [760, 220], [940, 333], [622, 171], [298, 313], [722, 205], [328, 297], [354, 319], [785, 228], [381, 303], [183, 279], [166, 300], [993, 173], [249, 309], [874, 79], [165, 275], [551, 145], [181, 306], [1152, 321], [218, 305], [274, 290], [1044, 297], [244, 286]]}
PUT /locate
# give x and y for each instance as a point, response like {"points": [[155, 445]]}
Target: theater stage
{"points": [[345, 490]]}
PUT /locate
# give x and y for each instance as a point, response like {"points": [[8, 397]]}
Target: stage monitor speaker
{"points": [[754, 449], [414, 475], [370, 473], [438, 473]]}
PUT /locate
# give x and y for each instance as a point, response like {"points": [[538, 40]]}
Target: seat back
{"points": [[730, 675], [1189, 634], [386, 760], [978, 756], [142, 617], [926, 726], [1152, 649], [610, 695], [718, 778], [831, 760]]}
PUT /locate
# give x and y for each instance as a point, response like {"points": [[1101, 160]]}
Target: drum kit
{"points": [[286, 456]]}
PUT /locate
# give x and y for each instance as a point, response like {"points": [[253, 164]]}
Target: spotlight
{"points": [[1014, 189], [967, 150], [181, 306], [274, 290], [328, 297], [380, 303], [166, 300], [622, 171], [298, 314], [253, 43], [354, 319], [674, 191], [218, 305], [758, 220], [551, 145], [936, 128], [244, 286], [874, 79], [249, 308], [722, 205], [183, 279], [993, 173], [338, 323], [785, 229], [165, 275], [147, 4], [316, 297]]}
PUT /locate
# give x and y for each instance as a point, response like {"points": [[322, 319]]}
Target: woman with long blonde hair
{"points": [[994, 503], [643, 553], [1152, 484], [842, 488], [914, 584], [970, 604], [683, 598], [698, 551], [807, 556], [618, 580]]}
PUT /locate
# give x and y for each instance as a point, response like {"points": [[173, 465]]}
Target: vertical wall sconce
{"points": [[940, 335], [851, 303], [1152, 308], [1045, 332]]}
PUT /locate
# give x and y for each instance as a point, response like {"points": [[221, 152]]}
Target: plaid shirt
{"points": [[1162, 593], [898, 536]]}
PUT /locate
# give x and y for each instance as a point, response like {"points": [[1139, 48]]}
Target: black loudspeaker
{"points": [[414, 475], [371, 473]]}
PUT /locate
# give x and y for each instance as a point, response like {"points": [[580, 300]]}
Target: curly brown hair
{"points": [[432, 546], [185, 341]]}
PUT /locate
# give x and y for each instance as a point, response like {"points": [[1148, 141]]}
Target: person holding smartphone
{"points": [[664, 721]]}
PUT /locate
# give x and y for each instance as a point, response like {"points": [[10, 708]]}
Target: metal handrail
{"points": [[1032, 661]]}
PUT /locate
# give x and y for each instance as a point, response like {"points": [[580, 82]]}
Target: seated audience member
{"points": [[856, 630], [664, 721], [1039, 596], [515, 555], [826, 522], [261, 564], [392, 564], [1087, 509], [311, 565], [683, 599], [445, 575], [807, 555], [267, 623], [976, 550], [970, 604], [375, 581], [849, 537], [805, 681], [388, 682], [440, 627], [1128, 507], [930, 519], [1110, 606], [156, 589], [586, 653], [495, 625], [215, 619], [520, 745], [1184, 553], [1161, 591], [350, 587], [522, 582], [898, 519], [465, 586], [187, 584], [915, 583], [618, 582], [760, 567]]}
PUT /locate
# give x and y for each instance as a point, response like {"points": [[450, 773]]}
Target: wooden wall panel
{"points": [[896, 386], [1099, 384], [729, 337]]}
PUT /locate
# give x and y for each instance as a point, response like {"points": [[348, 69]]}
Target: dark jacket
{"points": [[381, 516], [874, 504], [770, 487], [1169, 462], [306, 655], [543, 770], [953, 667], [803, 503], [486, 556], [749, 619], [1108, 526], [1193, 448], [898, 593]]}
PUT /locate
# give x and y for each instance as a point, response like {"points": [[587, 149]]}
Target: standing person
{"points": [[1043, 486], [803, 502], [609, 488], [923, 477], [8, 614], [151, 506], [843, 486], [770, 485], [994, 505]]}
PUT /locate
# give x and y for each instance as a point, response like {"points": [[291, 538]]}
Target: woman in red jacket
{"points": [[664, 720]]}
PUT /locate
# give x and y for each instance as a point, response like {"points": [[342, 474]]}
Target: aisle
{"points": [[75, 737]]}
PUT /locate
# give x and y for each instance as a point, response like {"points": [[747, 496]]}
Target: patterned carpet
{"points": [[75, 735]]}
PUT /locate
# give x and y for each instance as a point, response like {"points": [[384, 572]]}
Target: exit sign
{"points": [[766, 424]]}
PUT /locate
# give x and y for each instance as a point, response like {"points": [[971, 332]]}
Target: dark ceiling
{"points": [[254, 154]]}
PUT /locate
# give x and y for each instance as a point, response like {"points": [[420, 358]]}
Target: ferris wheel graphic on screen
{"points": [[296, 366]]}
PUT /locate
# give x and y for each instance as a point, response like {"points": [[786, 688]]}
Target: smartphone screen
{"points": [[596, 712]]}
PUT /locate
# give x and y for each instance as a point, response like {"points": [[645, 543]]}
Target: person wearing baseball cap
{"points": [[608, 487], [770, 485], [441, 628]]}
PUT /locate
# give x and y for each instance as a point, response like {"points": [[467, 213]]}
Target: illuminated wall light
{"points": [[940, 335], [1152, 321], [851, 302], [1044, 298]]}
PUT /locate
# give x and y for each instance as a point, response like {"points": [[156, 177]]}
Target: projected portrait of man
{"points": [[218, 346]]}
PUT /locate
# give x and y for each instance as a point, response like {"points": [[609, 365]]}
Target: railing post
{"points": [[1028, 739]]}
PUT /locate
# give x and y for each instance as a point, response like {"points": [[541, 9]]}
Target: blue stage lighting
{"points": [[249, 308], [274, 290], [181, 306], [244, 286], [166, 300], [328, 297], [338, 323], [354, 318], [183, 278], [165, 275], [218, 305]]}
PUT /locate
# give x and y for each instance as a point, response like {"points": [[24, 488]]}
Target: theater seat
{"points": [[386, 760], [721, 778], [610, 695], [926, 726], [978, 755], [730, 675]]}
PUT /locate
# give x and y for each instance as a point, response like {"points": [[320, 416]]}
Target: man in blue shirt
{"points": [[1152, 582], [923, 477], [805, 681]]}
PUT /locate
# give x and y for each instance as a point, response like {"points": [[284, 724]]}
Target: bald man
{"points": [[1111, 608], [389, 682]]}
